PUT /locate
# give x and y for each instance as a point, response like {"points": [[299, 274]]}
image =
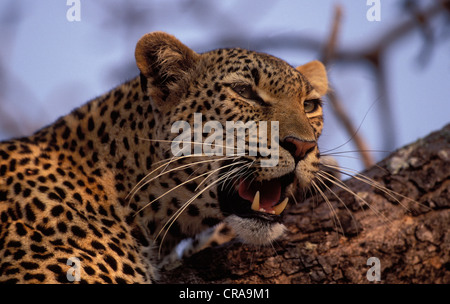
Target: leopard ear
{"points": [[316, 74], [164, 62]]}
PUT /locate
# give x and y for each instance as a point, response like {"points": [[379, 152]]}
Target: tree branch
{"points": [[332, 245]]}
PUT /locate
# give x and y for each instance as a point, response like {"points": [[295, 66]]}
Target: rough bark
{"points": [[411, 239]]}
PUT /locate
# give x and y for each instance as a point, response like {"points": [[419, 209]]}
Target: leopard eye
{"points": [[311, 105], [244, 90]]}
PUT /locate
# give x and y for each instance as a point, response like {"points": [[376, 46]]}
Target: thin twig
{"points": [[338, 108], [360, 143]]}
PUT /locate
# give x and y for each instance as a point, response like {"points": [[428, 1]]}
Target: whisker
{"points": [[176, 215], [189, 142], [293, 196], [172, 159], [206, 173], [224, 183], [231, 173], [377, 185], [333, 181], [165, 193], [133, 191], [144, 181], [335, 216], [174, 188], [231, 169], [344, 187], [240, 175], [337, 153], [357, 129]]}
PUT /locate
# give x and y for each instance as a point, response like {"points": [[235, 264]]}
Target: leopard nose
{"points": [[297, 147]]}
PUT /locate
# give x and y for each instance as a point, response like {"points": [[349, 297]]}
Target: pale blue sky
{"points": [[50, 65]]}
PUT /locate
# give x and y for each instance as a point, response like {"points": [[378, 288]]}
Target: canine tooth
{"points": [[255, 204], [281, 206]]}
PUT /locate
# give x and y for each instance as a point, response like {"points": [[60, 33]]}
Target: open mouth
{"points": [[247, 198]]}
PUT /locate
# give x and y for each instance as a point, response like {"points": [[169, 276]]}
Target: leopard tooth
{"points": [[281, 206], [255, 204]]}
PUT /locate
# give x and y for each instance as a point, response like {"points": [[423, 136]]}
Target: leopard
{"points": [[99, 196]]}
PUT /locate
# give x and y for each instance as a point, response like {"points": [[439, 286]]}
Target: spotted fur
{"points": [[101, 185]]}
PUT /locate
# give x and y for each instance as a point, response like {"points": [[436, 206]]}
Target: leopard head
{"points": [[210, 177]]}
